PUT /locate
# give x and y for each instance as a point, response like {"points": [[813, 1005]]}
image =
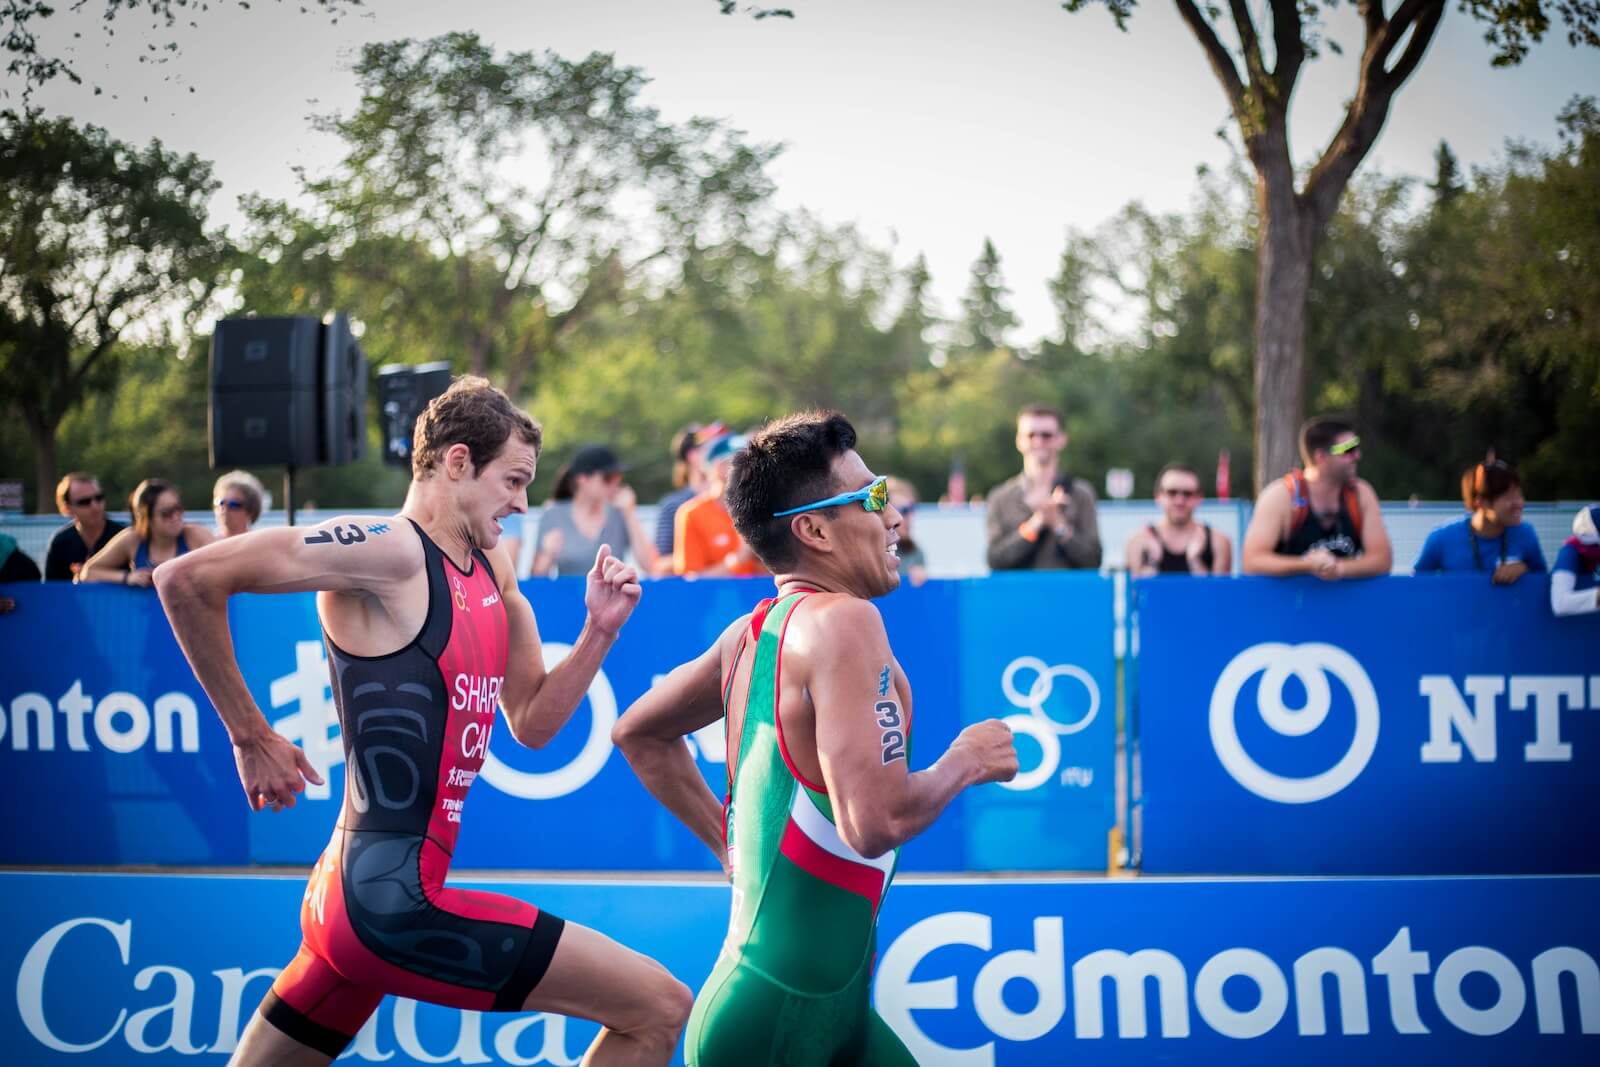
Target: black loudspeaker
{"points": [[344, 395], [403, 393], [286, 392]]}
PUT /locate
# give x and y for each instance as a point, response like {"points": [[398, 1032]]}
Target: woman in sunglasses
{"points": [[1493, 539], [157, 535], [590, 506], [236, 500]]}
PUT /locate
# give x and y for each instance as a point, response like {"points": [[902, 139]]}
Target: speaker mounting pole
{"points": [[288, 493]]}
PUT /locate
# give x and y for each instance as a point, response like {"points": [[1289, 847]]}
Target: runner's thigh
{"points": [[594, 977], [735, 1021]]}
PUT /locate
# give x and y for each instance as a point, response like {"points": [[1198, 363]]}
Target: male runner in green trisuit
{"points": [[819, 729]]}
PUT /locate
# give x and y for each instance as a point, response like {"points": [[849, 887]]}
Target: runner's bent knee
{"points": [[663, 1009]]}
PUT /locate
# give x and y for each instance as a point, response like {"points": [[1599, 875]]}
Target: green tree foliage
{"points": [[1258, 68], [802, 318], [1446, 184], [1447, 325], [1257, 55], [99, 241], [1506, 309], [501, 200], [985, 316]]}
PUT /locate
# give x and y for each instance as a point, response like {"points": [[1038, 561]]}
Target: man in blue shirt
{"points": [[1575, 581], [1493, 538]]}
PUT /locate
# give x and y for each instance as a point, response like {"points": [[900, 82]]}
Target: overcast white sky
{"points": [[931, 122]]}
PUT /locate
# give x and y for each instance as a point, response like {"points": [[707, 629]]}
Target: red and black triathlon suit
{"points": [[377, 917]]}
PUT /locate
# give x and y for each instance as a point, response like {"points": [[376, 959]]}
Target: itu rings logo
{"points": [[1080, 695], [1310, 664]]}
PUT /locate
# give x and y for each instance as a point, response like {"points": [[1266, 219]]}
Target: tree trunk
{"points": [[44, 465], [1283, 280]]}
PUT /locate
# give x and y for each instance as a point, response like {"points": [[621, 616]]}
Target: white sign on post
{"points": [[1119, 483]]}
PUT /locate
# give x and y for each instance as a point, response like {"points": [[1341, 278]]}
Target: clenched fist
{"points": [[991, 746]]}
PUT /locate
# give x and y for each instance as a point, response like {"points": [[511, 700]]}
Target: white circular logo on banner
{"points": [[1038, 724], [544, 785], [1310, 663]]}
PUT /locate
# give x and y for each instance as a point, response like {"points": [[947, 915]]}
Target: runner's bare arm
{"points": [[343, 554], [650, 735], [862, 732], [537, 702]]}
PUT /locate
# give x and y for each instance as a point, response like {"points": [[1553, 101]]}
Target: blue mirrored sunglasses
{"points": [[873, 496]]}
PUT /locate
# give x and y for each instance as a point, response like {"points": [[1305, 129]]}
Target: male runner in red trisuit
{"points": [[427, 634]]}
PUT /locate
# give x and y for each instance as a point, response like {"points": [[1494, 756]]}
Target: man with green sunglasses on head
{"points": [[820, 792], [1321, 520]]}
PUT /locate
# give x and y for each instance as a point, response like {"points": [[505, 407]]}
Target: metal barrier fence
{"points": [[954, 539]]}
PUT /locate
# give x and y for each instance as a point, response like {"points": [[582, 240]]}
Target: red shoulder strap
{"points": [[1299, 499], [1352, 504]]}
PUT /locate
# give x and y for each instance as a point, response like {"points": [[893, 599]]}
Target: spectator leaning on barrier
{"points": [[590, 506], [15, 564], [1575, 580], [237, 499], [705, 542], [1493, 538], [689, 481], [1321, 520], [158, 534], [1176, 543], [80, 498], [1044, 518]]}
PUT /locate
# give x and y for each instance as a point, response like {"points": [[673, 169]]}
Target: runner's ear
{"points": [[811, 530]]}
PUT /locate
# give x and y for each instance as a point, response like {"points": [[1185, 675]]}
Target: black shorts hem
{"points": [[535, 961], [302, 1027]]}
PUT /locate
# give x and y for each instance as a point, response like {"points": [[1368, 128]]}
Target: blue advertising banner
{"points": [[575, 804], [109, 750], [1398, 726], [160, 969], [1036, 651], [93, 663]]}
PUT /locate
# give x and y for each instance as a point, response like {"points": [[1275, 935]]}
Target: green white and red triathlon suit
{"points": [[792, 984]]}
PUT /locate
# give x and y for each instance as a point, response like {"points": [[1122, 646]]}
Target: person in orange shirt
{"points": [[704, 541]]}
